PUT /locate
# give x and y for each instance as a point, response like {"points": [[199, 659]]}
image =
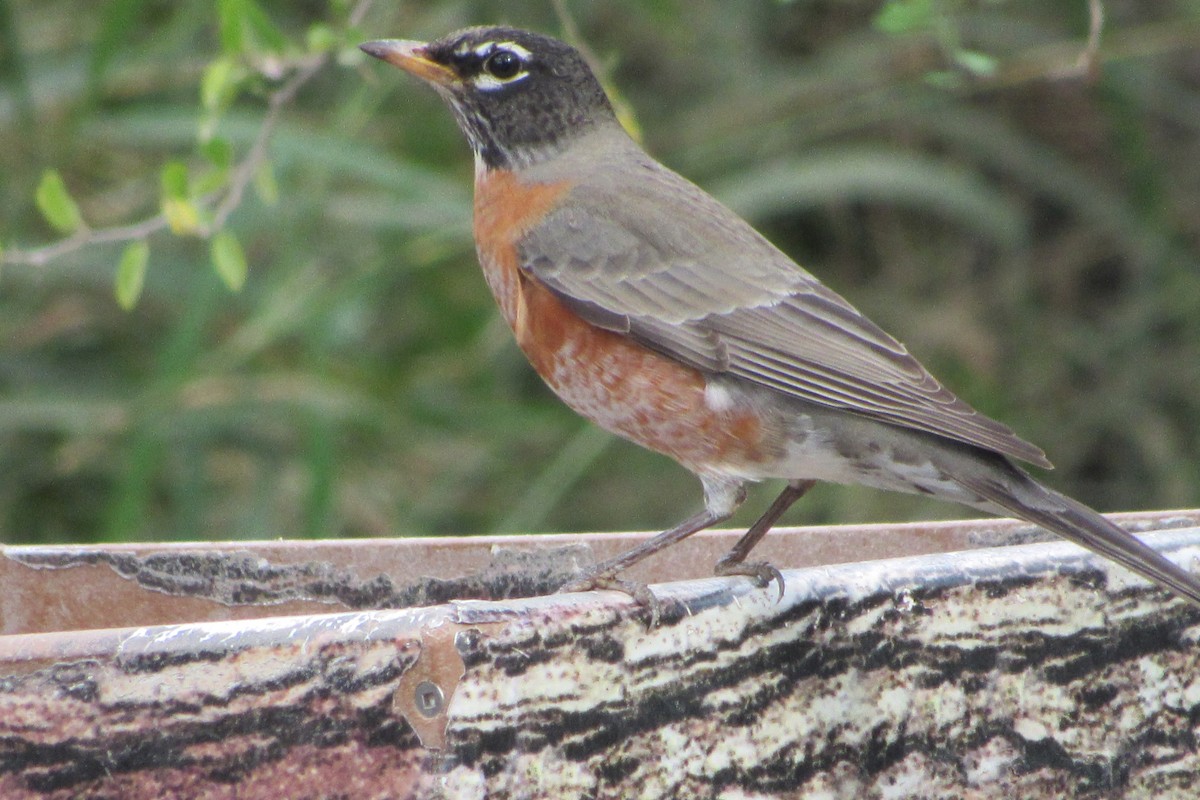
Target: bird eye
{"points": [[503, 64]]}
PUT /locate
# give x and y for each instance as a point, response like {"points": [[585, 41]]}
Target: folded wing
{"points": [[671, 267]]}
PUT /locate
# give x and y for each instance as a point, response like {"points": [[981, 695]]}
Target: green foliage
{"points": [[940, 19], [310, 349], [56, 205], [131, 273], [246, 28], [178, 207], [229, 260], [905, 16]]}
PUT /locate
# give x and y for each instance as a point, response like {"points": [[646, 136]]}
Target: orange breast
{"points": [[608, 378]]}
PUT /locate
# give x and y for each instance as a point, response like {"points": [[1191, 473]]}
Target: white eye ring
{"points": [[484, 50], [486, 80]]}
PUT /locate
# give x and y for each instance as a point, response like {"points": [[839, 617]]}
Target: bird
{"points": [[659, 314]]}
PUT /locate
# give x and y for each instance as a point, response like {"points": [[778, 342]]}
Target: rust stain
{"points": [[438, 666], [425, 690]]}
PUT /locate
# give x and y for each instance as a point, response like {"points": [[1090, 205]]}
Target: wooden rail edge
{"points": [[1035, 669]]}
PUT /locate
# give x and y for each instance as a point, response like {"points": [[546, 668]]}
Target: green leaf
{"points": [[245, 27], [56, 205], [131, 274], [183, 217], [229, 17], [321, 38], [229, 260], [219, 154], [905, 16], [174, 180], [979, 64], [264, 32], [182, 213], [218, 151], [218, 84]]}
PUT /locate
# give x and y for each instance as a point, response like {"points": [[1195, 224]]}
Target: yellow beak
{"points": [[412, 58]]}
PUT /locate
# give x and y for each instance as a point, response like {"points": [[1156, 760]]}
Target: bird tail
{"points": [[1024, 497]]}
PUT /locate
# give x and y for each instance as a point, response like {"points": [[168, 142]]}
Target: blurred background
{"points": [[1021, 211]]}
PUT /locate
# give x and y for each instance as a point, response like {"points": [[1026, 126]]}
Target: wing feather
{"points": [[654, 257]]}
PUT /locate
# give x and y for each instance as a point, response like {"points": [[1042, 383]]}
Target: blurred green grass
{"points": [[1033, 240]]}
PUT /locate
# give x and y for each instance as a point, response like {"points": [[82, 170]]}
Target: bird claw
{"points": [[760, 572], [640, 592]]}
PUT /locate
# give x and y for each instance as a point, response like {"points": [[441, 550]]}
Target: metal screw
{"points": [[428, 698], [466, 641]]}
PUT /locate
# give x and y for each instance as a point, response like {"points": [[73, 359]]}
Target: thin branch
{"points": [[245, 171], [1088, 59], [84, 237], [224, 203]]}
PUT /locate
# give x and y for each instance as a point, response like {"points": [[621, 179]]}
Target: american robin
{"points": [[660, 315]]}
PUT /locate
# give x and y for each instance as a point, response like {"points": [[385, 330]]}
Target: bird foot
{"points": [[640, 592], [760, 572]]}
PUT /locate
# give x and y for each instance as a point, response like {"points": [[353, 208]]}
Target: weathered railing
{"points": [[357, 670]]}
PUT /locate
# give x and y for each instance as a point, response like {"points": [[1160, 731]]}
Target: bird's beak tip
{"points": [[410, 56], [380, 48]]}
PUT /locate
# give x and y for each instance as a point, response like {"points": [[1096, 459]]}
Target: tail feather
{"points": [[1026, 498]]}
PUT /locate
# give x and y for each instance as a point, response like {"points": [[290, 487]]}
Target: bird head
{"points": [[518, 96]]}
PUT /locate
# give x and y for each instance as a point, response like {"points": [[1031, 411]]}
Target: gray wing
{"points": [[663, 262]]}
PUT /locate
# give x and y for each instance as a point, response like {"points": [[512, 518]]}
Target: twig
{"points": [[1060, 61], [1088, 59], [83, 237], [244, 173], [224, 202]]}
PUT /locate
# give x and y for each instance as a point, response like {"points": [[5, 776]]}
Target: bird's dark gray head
{"points": [[517, 95]]}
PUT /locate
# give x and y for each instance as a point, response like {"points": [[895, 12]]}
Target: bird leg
{"points": [[734, 562], [603, 575], [722, 496]]}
